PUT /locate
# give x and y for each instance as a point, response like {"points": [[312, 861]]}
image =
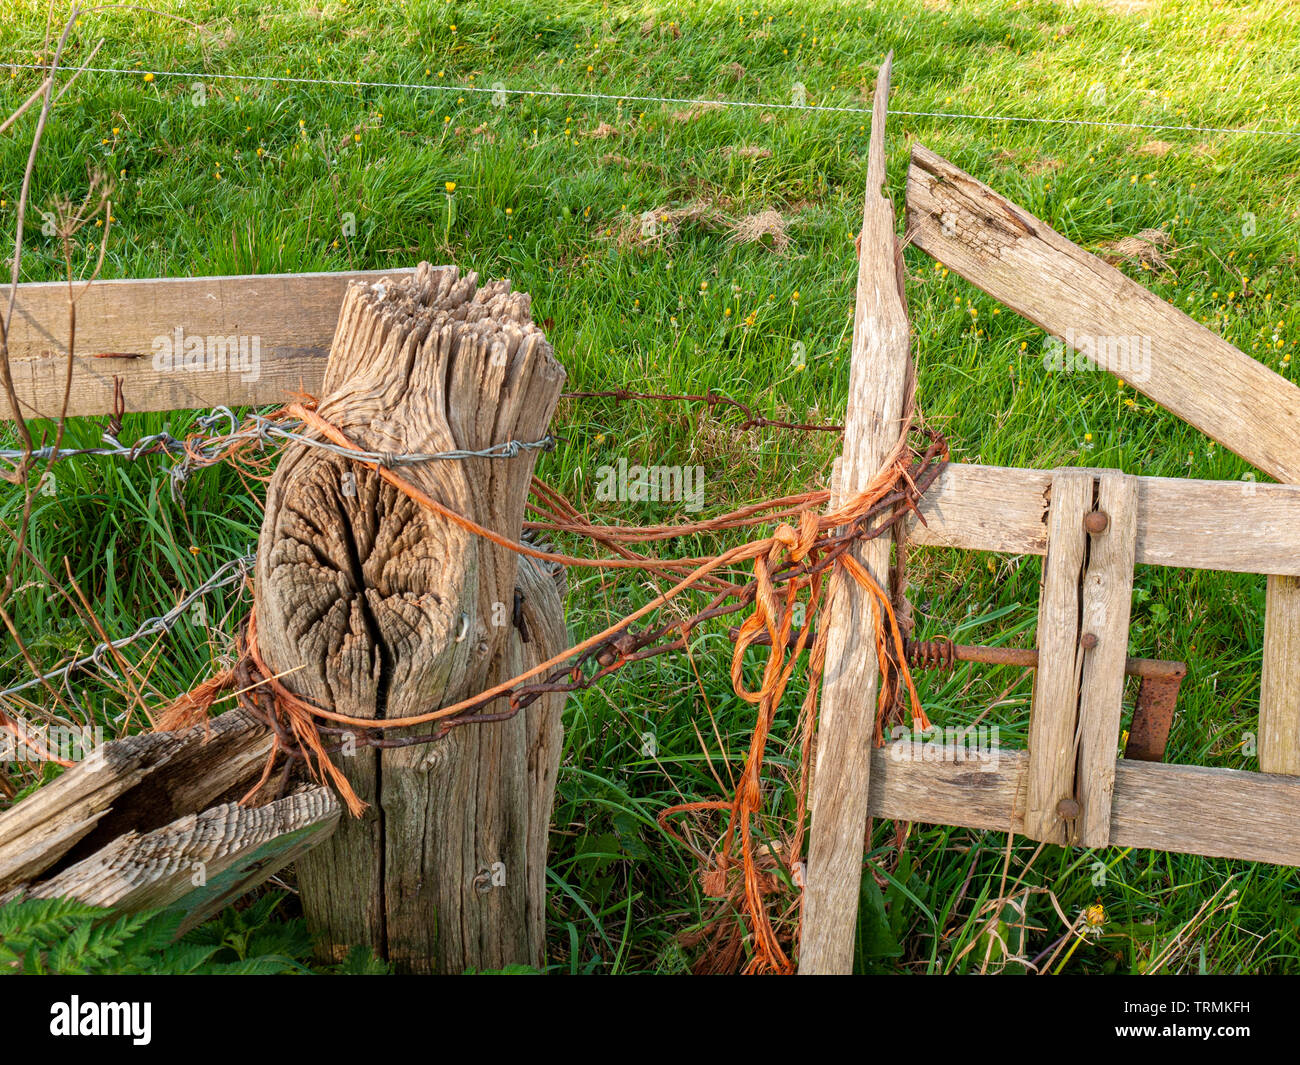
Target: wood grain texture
{"points": [[1221, 813], [1107, 598], [293, 317], [385, 610], [943, 789], [135, 784], [880, 379], [1054, 714], [199, 862], [1279, 693], [543, 611], [1180, 522], [1023, 263], [1192, 809]]}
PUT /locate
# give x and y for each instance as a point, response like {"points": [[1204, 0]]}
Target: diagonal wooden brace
{"points": [[1082, 646]]}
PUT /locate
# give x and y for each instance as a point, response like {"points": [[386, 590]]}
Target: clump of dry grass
{"points": [[1157, 148], [662, 225], [690, 114], [1152, 247], [766, 228]]}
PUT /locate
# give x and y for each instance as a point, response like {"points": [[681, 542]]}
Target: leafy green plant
{"points": [[67, 937]]}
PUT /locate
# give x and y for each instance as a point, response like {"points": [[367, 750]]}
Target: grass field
{"points": [[217, 176]]}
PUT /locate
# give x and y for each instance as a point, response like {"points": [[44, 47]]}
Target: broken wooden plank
{"points": [[1023, 263], [880, 378], [1107, 597], [1220, 813], [1279, 692], [200, 862], [1054, 715], [176, 343], [1180, 522], [137, 783]]}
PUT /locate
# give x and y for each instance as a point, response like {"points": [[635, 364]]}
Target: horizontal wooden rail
{"points": [[176, 343], [1220, 813], [120, 323], [1234, 526]]}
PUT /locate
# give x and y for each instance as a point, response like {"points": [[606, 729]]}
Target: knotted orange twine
{"points": [[773, 615]]}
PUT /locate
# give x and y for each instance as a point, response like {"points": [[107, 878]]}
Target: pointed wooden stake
{"points": [[879, 380]]}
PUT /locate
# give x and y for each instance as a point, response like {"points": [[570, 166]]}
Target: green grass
{"points": [[262, 177]]}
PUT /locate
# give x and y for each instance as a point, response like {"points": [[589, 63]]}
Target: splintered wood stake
{"points": [[879, 379]]}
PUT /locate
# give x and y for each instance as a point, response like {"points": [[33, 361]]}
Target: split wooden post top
{"points": [[879, 382]]}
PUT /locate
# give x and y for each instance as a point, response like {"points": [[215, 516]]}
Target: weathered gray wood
{"points": [[199, 862], [946, 787], [879, 383], [138, 784], [1180, 522], [385, 610], [1054, 715], [1221, 813], [1022, 262], [543, 612], [1107, 597], [1279, 694], [122, 327], [985, 508]]}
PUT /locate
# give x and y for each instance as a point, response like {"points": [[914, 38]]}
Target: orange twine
{"points": [[773, 615]]}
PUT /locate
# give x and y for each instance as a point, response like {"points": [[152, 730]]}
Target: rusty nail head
{"points": [[1096, 521], [1068, 809], [1088, 641]]}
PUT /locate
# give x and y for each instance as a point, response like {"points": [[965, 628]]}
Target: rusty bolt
{"points": [[1096, 521], [1068, 809], [1088, 641]]}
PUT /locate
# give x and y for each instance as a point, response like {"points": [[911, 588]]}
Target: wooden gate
{"points": [[1092, 527]]}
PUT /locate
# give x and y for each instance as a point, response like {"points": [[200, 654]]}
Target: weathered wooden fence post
{"points": [[880, 378], [378, 608]]}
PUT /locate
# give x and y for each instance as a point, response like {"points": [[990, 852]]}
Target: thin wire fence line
{"points": [[231, 572], [675, 100]]}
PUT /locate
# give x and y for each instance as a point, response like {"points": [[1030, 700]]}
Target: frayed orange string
{"points": [[773, 615]]}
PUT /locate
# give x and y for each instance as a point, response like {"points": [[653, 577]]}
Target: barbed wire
{"points": [[232, 572], [678, 101], [206, 447]]}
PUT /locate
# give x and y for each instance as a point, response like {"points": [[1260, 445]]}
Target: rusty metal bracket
{"points": [[1157, 694], [1153, 716], [1157, 699]]}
